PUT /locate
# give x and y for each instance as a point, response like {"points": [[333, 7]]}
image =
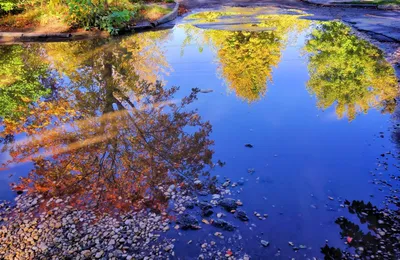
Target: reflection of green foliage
{"points": [[348, 71], [21, 72], [247, 57]]}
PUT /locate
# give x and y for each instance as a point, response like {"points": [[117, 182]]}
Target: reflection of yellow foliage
{"points": [[349, 71], [210, 16], [135, 57], [246, 58]]}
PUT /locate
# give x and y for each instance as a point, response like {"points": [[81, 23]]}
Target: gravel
{"points": [[66, 232]]}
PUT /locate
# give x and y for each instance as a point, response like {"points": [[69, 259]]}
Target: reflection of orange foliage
{"points": [[116, 160]]}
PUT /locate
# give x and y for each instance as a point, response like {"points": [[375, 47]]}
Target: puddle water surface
{"points": [[299, 113]]}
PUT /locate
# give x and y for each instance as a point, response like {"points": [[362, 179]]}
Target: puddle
{"points": [[297, 111]]}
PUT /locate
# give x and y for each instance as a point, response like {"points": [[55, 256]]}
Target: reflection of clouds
{"points": [[328, 115]]}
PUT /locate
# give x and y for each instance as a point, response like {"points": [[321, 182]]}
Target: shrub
{"points": [[8, 6], [87, 13]]}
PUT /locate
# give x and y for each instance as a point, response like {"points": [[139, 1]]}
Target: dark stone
{"points": [[220, 223], [188, 204], [188, 221], [207, 212], [248, 145], [228, 204], [240, 214], [204, 205]]}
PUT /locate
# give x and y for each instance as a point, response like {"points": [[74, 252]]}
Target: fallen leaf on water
{"points": [[349, 239], [228, 253], [205, 221]]}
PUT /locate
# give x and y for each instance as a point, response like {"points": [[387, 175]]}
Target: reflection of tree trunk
{"points": [[108, 80]]}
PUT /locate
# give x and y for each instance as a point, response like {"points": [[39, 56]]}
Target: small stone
{"points": [[168, 248], [291, 243], [86, 253], [331, 198], [223, 224], [216, 196], [99, 254], [251, 170], [264, 243], [228, 203], [240, 214], [197, 182]]}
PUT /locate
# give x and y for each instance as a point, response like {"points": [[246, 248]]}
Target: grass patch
{"points": [[36, 19]]}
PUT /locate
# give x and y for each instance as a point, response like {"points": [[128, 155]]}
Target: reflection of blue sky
{"points": [[316, 152]]}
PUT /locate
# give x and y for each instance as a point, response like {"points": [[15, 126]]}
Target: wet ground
{"points": [[300, 114]]}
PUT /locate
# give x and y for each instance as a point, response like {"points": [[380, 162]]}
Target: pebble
{"points": [[99, 254], [264, 243]]}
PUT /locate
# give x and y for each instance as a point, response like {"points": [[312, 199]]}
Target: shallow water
{"points": [[312, 99]]}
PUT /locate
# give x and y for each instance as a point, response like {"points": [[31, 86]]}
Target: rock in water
{"points": [[220, 223], [240, 214], [205, 91], [188, 204], [205, 205], [264, 243], [207, 212], [228, 204], [188, 221]]}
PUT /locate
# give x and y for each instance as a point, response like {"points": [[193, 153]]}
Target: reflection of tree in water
{"points": [[349, 71], [109, 138], [23, 76], [246, 58], [382, 240]]}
